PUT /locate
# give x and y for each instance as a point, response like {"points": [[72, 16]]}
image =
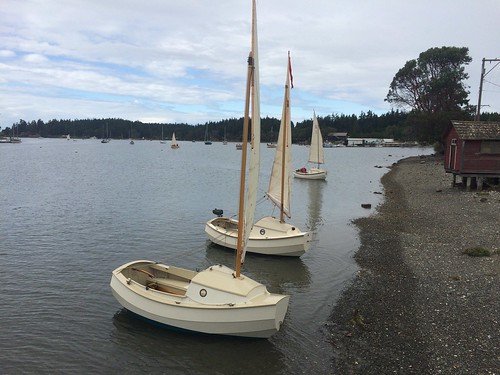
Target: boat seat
{"points": [[171, 285]]}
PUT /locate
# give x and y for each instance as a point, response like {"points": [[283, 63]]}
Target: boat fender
{"points": [[262, 231]]}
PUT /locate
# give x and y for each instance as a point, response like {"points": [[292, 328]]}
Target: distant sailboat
{"points": [[272, 144], [106, 139], [131, 140], [174, 144], [207, 138], [216, 300], [316, 156], [269, 235], [15, 137], [162, 139]]}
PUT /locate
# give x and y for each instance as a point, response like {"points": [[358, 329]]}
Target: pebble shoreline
{"points": [[418, 305]]}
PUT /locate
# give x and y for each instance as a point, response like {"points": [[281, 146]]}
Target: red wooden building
{"points": [[472, 151]]}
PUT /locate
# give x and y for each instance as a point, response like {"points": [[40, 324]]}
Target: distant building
{"points": [[472, 152], [369, 142], [338, 138]]}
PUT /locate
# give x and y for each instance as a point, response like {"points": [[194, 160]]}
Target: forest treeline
{"points": [[398, 125], [431, 91]]}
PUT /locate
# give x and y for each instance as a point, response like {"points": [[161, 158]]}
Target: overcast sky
{"points": [[185, 60]]}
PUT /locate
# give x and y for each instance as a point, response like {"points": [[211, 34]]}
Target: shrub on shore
{"points": [[477, 251]]}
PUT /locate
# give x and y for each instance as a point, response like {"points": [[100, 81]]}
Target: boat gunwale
{"points": [[149, 294], [227, 232]]}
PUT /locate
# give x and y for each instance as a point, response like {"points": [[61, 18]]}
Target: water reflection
{"points": [[315, 196], [279, 274], [171, 351]]}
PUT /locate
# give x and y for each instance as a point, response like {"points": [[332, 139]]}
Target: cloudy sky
{"points": [[185, 60]]}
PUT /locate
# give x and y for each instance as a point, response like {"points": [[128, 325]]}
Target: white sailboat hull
{"points": [[311, 174], [268, 236], [211, 301]]}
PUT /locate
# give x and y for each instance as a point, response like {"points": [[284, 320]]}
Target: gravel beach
{"points": [[419, 305]]}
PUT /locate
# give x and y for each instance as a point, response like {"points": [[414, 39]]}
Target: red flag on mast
{"points": [[290, 69]]}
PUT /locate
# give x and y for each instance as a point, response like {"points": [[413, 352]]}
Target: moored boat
{"points": [[211, 301], [270, 235], [174, 144], [316, 156]]}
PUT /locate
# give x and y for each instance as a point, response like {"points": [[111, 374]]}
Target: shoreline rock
{"points": [[419, 305]]}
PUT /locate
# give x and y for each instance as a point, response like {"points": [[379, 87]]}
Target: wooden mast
{"points": [[241, 208], [283, 156]]}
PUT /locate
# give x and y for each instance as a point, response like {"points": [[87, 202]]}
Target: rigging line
{"points": [[180, 255], [261, 200], [494, 66], [491, 83]]}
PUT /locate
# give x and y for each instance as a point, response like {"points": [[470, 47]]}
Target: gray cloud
{"points": [[185, 61]]}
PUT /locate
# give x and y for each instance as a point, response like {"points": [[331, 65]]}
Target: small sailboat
{"points": [[269, 235], [316, 156], [14, 138], [106, 139], [216, 300], [174, 144], [272, 144], [131, 140], [207, 138], [162, 139]]}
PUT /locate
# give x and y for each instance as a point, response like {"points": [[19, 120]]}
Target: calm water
{"points": [[72, 211]]}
